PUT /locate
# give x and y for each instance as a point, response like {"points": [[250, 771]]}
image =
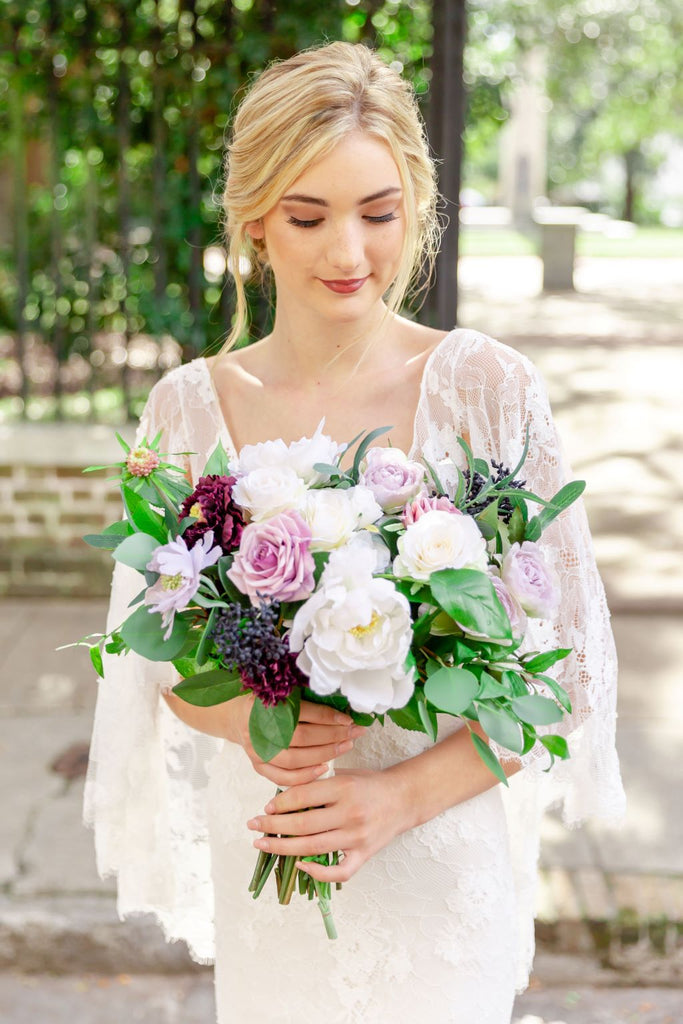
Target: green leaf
{"points": [[422, 626], [487, 521], [271, 728], [144, 518], [321, 558], [217, 463], [451, 690], [540, 662], [515, 682], [427, 716], [555, 745], [408, 717], [435, 477], [143, 632], [468, 596], [206, 641], [516, 526], [536, 710], [111, 536], [208, 688], [557, 691], [488, 757], [136, 550], [96, 659], [500, 727], [490, 687]]}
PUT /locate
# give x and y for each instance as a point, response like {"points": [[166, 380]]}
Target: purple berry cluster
{"points": [[505, 506], [248, 641]]}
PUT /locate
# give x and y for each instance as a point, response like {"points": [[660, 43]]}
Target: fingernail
{"points": [[253, 823], [269, 808], [342, 719], [342, 748], [262, 844], [322, 768], [357, 730]]}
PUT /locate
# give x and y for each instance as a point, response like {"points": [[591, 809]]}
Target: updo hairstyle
{"points": [[294, 114]]}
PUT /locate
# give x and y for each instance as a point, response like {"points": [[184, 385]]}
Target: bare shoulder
{"points": [[419, 339]]}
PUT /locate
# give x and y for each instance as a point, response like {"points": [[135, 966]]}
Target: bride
{"points": [[330, 190]]}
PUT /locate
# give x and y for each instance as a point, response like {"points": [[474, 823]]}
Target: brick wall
{"points": [[47, 504]]}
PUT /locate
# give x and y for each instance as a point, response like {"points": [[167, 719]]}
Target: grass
{"points": [[645, 243]]}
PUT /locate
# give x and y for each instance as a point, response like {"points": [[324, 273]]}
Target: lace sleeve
{"points": [[146, 785], [489, 393]]}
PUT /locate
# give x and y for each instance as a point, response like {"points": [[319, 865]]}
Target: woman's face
{"points": [[334, 240]]}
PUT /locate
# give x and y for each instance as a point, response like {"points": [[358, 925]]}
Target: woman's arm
{"points": [[360, 812]]}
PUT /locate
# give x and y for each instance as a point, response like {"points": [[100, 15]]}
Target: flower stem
{"points": [[288, 881]]}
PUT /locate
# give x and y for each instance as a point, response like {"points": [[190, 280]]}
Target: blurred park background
{"points": [[557, 126]]}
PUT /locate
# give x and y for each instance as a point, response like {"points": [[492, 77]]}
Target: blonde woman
{"points": [[330, 189]]}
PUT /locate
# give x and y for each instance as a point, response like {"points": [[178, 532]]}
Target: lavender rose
{"points": [[531, 580], [274, 561], [511, 606], [393, 479], [424, 503]]}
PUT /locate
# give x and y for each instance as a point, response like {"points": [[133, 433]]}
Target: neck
{"points": [[307, 348]]}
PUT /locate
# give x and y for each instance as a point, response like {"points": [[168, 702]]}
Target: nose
{"points": [[346, 248]]}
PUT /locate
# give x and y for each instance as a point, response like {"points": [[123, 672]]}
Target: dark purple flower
{"points": [[274, 684], [212, 505]]}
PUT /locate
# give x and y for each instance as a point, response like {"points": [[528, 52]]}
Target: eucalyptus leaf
{"points": [[206, 641], [451, 690], [557, 691], [143, 632], [136, 550], [555, 745], [363, 447], [536, 710], [427, 716], [490, 688], [516, 526], [488, 757], [271, 728], [500, 727], [209, 688]]}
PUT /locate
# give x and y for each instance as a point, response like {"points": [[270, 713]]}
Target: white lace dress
{"points": [[439, 924]]}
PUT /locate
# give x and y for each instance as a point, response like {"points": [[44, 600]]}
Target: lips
{"points": [[345, 286]]}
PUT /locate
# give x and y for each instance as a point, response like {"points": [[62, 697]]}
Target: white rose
{"points": [[354, 636], [440, 540], [256, 456], [331, 517], [302, 455], [269, 490]]}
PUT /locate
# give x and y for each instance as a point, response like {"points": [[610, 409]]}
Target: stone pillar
{"points": [[523, 142]]}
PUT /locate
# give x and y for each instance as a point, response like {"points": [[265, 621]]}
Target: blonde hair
{"points": [[294, 114]]}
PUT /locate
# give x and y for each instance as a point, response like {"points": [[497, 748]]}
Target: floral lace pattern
{"points": [[430, 925]]}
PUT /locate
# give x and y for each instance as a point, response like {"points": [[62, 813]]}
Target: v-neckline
{"points": [[226, 436]]}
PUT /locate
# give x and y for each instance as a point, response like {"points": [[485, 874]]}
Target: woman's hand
{"points": [[356, 811], [321, 735]]}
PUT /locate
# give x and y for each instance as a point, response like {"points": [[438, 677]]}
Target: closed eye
{"points": [[384, 219], [303, 223]]}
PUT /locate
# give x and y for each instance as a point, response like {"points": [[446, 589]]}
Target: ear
{"points": [[254, 228]]}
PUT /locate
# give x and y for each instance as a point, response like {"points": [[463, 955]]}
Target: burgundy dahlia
{"points": [[212, 505], [275, 684]]}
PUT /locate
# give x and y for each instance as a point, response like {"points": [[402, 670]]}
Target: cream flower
{"points": [[354, 635], [269, 490], [440, 540], [333, 515], [300, 456]]}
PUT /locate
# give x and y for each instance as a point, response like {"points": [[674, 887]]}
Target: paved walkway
{"points": [[612, 357]]}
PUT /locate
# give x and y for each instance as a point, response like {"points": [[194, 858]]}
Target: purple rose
{"points": [[530, 580], [274, 561], [511, 606], [393, 479], [212, 505], [424, 503]]}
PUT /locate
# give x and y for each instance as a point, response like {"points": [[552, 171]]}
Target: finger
{"points": [[301, 757], [307, 735], [341, 872], [290, 777], [301, 846], [322, 714], [314, 794], [301, 823]]}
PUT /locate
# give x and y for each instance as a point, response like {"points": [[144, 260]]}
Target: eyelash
{"points": [[385, 219]]}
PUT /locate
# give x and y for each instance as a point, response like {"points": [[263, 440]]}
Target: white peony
{"points": [[299, 456], [354, 634], [333, 515], [269, 490], [440, 540]]}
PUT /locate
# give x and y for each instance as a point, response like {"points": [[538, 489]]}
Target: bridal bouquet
{"points": [[383, 587]]}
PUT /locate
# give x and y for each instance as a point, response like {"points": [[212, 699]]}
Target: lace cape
{"points": [[146, 791]]}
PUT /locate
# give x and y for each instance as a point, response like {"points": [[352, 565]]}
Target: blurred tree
{"points": [[613, 81]]}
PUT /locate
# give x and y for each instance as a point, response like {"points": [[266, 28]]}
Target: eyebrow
{"points": [[297, 197]]}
